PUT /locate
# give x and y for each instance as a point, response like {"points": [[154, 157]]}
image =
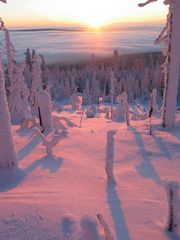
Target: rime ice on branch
{"points": [[171, 37]]}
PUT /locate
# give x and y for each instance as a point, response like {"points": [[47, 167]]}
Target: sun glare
{"points": [[92, 13]]}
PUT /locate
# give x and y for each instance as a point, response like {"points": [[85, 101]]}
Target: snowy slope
{"points": [[46, 197]]}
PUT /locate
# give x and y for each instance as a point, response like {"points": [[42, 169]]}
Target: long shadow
{"points": [[11, 178], [160, 142], [67, 121], [175, 134], [26, 150], [121, 228], [145, 168], [171, 236]]}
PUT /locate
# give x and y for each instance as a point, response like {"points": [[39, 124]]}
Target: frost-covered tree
{"points": [[110, 156], [86, 93], [112, 81], [9, 51], [170, 35], [153, 106], [120, 112], [18, 98], [44, 110], [145, 85], [126, 107], [7, 151], [76, 102], [36, 82]]}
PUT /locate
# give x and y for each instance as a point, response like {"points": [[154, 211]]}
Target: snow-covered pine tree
{"points": [[9, 50], [7, 151], [112, 92], [36, 82], [8, 155], [18, 99]]}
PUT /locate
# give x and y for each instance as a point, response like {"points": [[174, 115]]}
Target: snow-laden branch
{"points": [[147, 2]]}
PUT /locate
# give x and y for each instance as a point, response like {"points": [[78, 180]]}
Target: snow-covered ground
{"points": [[46, 197]]}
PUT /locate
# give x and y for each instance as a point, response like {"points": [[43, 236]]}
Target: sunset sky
{"points": [[91, 13]]}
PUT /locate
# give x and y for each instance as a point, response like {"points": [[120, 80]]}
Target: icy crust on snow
{"points": [[48, 197]]}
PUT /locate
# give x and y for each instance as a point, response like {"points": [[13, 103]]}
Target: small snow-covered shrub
{"points": [[76, 102], [89, 227], [91, 112], [122, 111]]}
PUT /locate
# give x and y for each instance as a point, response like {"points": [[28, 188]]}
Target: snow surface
{"points": [[48, 197]]}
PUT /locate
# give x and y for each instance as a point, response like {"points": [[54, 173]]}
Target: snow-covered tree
{"points": [[170, 35], [18, 97], [9, 51], [86, 93], [7, 151], [110, 156], [153, 106], [76, 102], [36, 82], [112, 81], [44, 110]]}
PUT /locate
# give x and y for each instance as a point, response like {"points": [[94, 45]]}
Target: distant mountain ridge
{"points": [[81, 29]]}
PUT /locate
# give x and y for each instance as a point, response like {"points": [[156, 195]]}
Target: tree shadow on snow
{"points": [[171, 236], [145, 168], [162, 146], [27, 149], [121, 228], [11, 178], [66, 121]]}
